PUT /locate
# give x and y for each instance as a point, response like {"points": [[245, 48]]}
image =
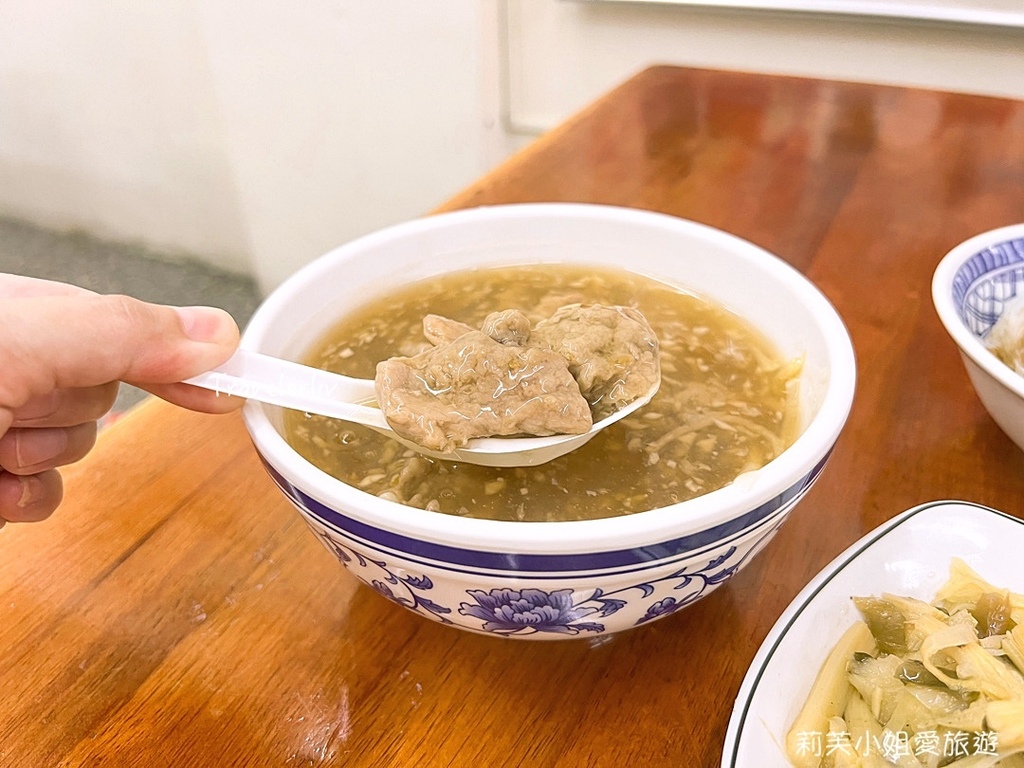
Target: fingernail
{"points": [[38, 446], [204, 324], [31, 490], [38, 407]]}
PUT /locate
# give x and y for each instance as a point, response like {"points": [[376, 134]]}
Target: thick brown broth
{"points": [[723, 407]]}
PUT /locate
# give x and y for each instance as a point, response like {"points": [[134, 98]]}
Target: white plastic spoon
{"points": [[280, 382]]}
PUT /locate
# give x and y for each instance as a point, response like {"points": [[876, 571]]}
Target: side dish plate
{"points": [[908, 555]]}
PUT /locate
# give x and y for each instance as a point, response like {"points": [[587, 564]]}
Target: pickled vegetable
{"points": [[922, 684]]}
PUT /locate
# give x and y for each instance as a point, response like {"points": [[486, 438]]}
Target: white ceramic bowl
{"points": [[970, 287], [560, 579], [908, 555]]}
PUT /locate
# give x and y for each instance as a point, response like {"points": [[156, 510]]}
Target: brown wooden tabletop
{"points": [[177, 612]]}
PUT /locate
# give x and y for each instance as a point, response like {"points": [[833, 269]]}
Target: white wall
{"points": [[108, 122], [343, 117], [259, 134], [254, 134]]}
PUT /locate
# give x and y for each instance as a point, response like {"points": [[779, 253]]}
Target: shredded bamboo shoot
{"points": [[929, 684]]}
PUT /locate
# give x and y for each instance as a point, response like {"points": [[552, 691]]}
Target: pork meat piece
{"points": [[475, 386], [510, 326], [443, 330], [612, 352]]}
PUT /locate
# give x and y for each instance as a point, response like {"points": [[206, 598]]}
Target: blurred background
{"points": [[202, 150]]}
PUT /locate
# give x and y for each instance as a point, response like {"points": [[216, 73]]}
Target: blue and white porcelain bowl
{"points": [[562, 579], [970, 288]]}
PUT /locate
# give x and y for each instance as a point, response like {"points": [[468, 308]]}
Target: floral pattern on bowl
{"points": [[507, 611], [552, 607]]}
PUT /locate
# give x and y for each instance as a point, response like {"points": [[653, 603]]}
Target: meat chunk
{"points": [[583, 362], [510, 326], [474, 386], [443, 330], [612, 352]]}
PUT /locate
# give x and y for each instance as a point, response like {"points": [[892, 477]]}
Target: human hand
{"points": [[63, 351]]}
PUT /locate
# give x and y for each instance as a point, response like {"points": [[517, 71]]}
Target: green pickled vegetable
{"points": [[887, 623], [992, 612]]}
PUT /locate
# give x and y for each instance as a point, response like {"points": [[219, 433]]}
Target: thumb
{"points": [[85, 340]]}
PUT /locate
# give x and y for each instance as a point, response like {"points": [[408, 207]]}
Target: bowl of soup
{"points": [[652, 514], [978, 291]]}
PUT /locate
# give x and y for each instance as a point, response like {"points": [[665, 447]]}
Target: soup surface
{"points": [[726, 405]]}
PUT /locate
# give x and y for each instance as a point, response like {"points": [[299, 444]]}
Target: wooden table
{"points": [[176, 611]]}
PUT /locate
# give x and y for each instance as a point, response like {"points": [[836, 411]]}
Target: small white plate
{"points": [[908, 555]]}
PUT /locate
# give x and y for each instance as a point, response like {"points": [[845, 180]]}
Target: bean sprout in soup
{"points": [[727, 402]]}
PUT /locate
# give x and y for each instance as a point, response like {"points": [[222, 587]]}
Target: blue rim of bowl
{"points": [[438, 555], [979, 249], [997, 260], [802, 601]]}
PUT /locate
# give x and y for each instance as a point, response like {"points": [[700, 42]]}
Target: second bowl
{"points": [[971, 287]]}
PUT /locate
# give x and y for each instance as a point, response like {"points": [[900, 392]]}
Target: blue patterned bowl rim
{"points": [[971, 285], [985, 281]]}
